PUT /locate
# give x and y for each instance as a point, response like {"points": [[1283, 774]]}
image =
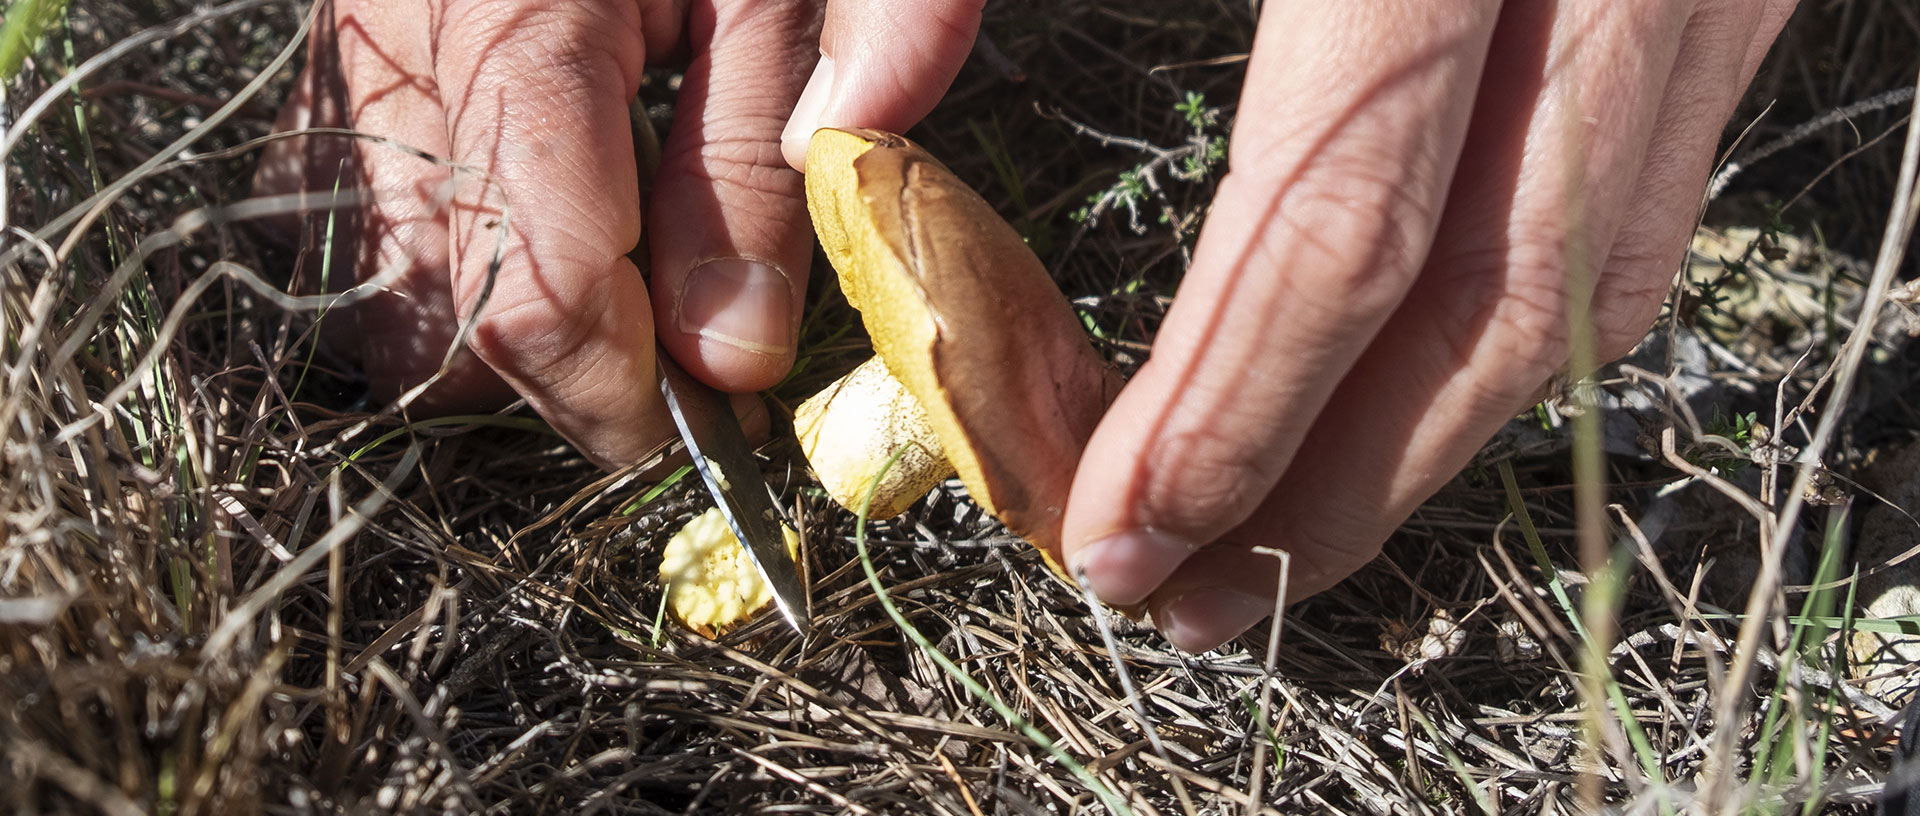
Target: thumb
{"points": [[883, 64]]}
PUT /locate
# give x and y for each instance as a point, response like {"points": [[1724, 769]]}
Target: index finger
{"points": [[536, 99], [1349, 130]]}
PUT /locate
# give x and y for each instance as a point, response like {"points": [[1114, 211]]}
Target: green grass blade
{"points": [[26, 22]]}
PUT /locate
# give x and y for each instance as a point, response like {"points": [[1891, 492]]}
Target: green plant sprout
{"points": [[1192, 163], [1726, 447]]}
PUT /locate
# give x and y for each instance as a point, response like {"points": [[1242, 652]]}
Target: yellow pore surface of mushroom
{"points": [[966, 317], [712, 585], [850, 432]]}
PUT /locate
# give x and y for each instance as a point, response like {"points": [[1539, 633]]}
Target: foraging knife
{"points": [[720, 452]]}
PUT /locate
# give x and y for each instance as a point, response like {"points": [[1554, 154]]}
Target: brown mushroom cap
{"points": [[967, 318]]}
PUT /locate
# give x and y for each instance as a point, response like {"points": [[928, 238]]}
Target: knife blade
{"points": [[725, 461]]}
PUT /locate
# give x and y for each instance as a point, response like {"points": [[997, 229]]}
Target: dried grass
{"points": [[229, 583]]}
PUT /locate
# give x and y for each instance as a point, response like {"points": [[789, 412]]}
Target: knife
{"points": [[720, 452]]}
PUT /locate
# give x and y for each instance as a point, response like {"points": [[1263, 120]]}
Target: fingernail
{"points": [[1124, 568], [742, 303], [807, 114], [1206, 618]]}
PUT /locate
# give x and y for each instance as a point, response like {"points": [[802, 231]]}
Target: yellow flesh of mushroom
{"points": [[712, 585]]}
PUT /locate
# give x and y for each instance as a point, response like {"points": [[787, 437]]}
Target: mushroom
{"points": [[850, 431], [711, 583], [973, 330]]}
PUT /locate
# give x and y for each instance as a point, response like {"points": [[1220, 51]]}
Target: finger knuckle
{"points": [[1517, 314], [1206, 480], [530, 336], [742, 167], [1631, 292], [569, 40], [1530, 326], [1351, 232]]}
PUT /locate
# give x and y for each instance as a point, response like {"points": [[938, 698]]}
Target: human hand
{"points": [[534, 96], [1420, 195]]}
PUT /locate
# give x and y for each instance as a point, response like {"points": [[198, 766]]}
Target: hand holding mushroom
{"points": [[980, 365], [1420, 193]]}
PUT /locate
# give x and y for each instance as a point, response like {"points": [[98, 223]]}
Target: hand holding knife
{"points": [[716, 443]]}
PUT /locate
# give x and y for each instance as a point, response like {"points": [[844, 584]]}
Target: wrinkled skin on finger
{"points": [[1422, 194], [1420, 197], [522, 222]]}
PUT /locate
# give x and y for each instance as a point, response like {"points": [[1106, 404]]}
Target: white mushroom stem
{"points": [[852, 428]]}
